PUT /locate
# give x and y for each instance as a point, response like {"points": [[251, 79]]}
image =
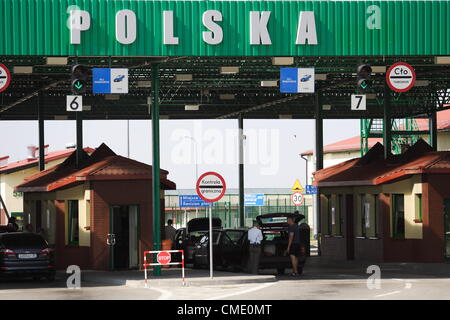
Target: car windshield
{"points": [[18, 240], [234, 235]]}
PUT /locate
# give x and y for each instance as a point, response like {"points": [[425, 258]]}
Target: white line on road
{"points": [[387, 294], [265, 285]]}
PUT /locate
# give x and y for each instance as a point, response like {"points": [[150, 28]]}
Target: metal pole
{"points": [[128, 138], [241, 171], [387, 125], [432, 123], [319, 165], [79, 124], [41, 131], [155, 166], [211, 237]]}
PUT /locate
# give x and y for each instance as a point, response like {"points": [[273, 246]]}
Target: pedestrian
{"points": [[29, 228], [293, 248], [169, 231], [12, 225], [255, 238]]}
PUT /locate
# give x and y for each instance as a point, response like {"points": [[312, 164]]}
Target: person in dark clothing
{"points": [[293, 248], [12, 225]]}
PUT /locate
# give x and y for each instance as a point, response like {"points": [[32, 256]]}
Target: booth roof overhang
{"points": [[193, 40]]}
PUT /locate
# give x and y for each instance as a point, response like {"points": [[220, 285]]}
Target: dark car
{"points": [[26, 254], [227, 249], [186, 238], [275, 233]]}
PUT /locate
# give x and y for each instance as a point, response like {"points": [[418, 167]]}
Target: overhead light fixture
{"points": [[227, 96], [442, 60], [22, 69], [378, 69], [229, 70], [87, 108], [282, 61], [164, 117], [326, 107], [183, 77], [144, 84], [112, 97], [285, 116], [320, 76], [421, 83], [57, 61], [191, 107], [371, 96], [269, 83], [61, 117]]}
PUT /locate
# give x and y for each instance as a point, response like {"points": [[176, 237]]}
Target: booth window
{"points": [[329, 214], [418, 205], [362, 215], [398, 216], [73, 222]]}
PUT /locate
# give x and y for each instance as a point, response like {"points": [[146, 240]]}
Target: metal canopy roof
{"points": [[20, 101]]}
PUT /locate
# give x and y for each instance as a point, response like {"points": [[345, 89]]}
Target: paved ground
{"points": [[321, 280]]}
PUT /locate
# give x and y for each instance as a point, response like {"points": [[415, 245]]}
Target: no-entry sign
{"points": [[400, 77], [163, 257], [5, 77], [211, 186]]}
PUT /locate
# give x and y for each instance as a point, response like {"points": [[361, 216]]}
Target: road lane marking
{"points": [[387, 294], [265, 285], [165, 294]]}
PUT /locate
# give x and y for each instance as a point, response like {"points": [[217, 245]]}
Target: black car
{"points": [[26, 254], [227, 249], [231, 245], [274, 228], [186, 238]]}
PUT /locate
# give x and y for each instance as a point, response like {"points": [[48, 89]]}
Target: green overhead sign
{"points": [[224, 28]]}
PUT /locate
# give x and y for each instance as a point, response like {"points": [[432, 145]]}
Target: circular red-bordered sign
{"points": [[5, 77], [163, 257], [297, 198], [400, 77], [211, 186]]}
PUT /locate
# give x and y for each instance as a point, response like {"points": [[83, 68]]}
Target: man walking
{"points": [[293, 248], [169, 231], [254, 237]]}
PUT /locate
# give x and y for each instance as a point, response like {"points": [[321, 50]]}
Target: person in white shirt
{"points": [[255, 238]]}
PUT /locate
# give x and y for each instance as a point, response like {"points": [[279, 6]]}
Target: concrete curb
{"points": [[198, 282]]}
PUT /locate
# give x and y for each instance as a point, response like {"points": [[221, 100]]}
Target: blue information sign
{"points": [[310, 189], [254, 199], [101, 80], [192, 201], [289, 80]]}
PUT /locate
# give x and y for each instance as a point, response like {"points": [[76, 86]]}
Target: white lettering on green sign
{"points": [[126, 27]]}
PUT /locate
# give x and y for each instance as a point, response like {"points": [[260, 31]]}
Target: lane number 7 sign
{"points": [[358, 102]]}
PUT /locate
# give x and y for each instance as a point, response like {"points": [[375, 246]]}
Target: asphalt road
{"points": [[313, 285]]}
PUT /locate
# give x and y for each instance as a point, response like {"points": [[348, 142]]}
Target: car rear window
{"points": [[20, 240]]}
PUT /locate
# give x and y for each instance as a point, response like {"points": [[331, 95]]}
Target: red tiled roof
{"points": [[28, 163], [350, 144], [373, 169], [354, 143], [103, 164]]}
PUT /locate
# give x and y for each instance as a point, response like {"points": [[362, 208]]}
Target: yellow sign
{"points": [[297, 186]]}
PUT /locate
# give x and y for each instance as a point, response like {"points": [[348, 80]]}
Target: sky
{"points": [[271, 147]]}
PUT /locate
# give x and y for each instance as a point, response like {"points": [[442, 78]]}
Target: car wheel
{"points": [[280, 270]]}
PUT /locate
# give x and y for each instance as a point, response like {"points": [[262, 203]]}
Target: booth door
{"points": [[447, 229], [123, 237]]}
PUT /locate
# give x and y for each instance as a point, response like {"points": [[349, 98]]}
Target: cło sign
{"points": [[126, 27]]}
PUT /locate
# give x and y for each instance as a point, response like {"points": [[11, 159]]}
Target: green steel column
{"points": [[319, 166], [387, 125], [155, 165], [241, 171], [41, 131], [432, 123]]}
